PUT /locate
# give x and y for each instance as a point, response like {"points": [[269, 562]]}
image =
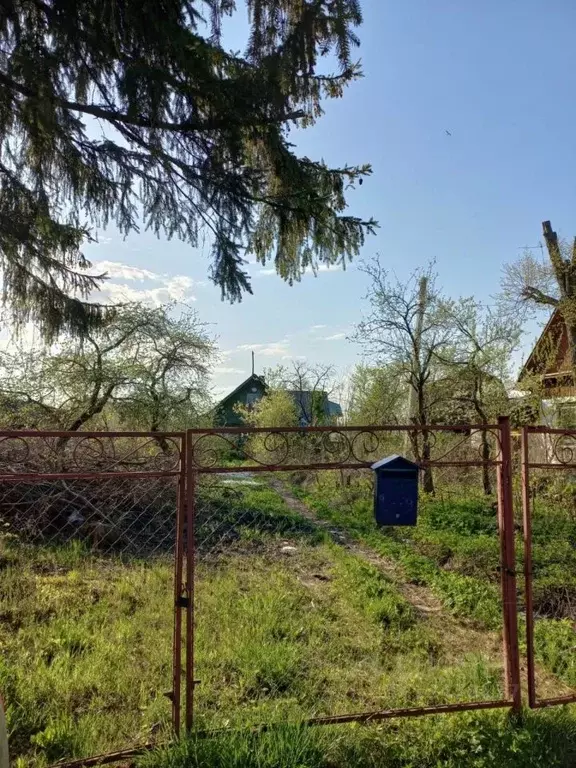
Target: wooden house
{"points": [[309, 405], [246, 394], [548, 372]]}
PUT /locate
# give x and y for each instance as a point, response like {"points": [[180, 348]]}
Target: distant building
{"points": [[246, 394], [311, 406]]}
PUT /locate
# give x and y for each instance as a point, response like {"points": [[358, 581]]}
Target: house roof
{"points": [[253, 378], [533, 364]]}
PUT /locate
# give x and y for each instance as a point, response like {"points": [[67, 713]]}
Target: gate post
{"points": [[190, 576], [527, 526], [508, 565], [178, 592]]}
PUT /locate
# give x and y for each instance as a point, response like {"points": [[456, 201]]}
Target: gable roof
{"points": [[554, 332], [254, 378]]}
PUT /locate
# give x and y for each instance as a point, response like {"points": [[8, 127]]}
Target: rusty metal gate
{"points": [[548, 490], [89, 519], [186, 496], [248, 455]]}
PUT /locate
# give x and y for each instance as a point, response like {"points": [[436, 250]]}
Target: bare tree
{"points": [[399, 330], [310, 384], [477, 363], [534, 283]]}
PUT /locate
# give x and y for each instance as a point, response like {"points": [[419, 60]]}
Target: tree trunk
{"points": [[428, 478], [486, 481]]}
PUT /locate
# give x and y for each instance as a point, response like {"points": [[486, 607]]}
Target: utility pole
{"points": [[252, 363], [412, 393]]}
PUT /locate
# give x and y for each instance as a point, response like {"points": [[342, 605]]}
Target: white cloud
{"points": [[124, 271], [222, 369], [335, 337], [102, 240], [163, 288], [318, 327], [272, 349], [324, 268], [266, 272]]}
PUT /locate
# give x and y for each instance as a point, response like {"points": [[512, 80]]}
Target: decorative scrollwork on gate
{"points": [[341, 447], [65, 453]]}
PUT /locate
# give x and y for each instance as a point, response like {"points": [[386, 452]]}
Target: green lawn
{"points": [[290, 625]]}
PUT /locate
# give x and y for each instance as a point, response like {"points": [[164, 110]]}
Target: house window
{"points": [[251, 398], [567, 415]]}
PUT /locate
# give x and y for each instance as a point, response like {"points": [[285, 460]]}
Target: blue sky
{"points": [[501, 77]]}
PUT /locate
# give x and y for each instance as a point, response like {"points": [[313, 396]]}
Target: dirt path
{"points": [[420, 597], [459, 636]]}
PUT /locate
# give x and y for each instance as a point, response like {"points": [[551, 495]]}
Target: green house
{"points": [[247, 394], [312, 407]]}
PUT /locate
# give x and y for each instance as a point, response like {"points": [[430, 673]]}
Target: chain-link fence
{"points": [[547, 486], [88, 530], [256, 553], [306, 610]]}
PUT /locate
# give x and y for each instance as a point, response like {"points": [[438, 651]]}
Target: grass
{"points": [[85, 651], [452, 741], [454, 551], [290, 625]]}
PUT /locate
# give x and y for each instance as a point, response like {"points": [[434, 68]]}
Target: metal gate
{"points": [[221, 461], [88, 523], [222, 504], [548, 484]]}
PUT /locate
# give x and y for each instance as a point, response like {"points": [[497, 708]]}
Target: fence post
{"points": [[527, 531], [178, 592], [190, 562], [508, 565]]}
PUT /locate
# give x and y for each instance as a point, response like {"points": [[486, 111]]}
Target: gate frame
{"points": [[26, 438], [526, 465], [503, 464]]}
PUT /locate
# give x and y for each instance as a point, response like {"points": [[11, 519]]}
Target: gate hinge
{"points": [[508, 571]]}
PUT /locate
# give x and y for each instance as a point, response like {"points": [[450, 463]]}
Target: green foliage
{"points": [[468, 740], [194, 140], [276, 409], [377, 395], [147, 368], [284, 747], [86, 650], [281, 636]]}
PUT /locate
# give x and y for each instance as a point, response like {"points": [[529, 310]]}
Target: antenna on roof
{"points": [[252, 363]]}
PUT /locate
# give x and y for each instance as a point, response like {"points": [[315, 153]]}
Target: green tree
{"points": [[477, 366], [134, 112], [377, 395], [276, 409], [407, 330], [146, 369]]}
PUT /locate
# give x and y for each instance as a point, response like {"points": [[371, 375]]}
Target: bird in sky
{"points": [[448, 133]]}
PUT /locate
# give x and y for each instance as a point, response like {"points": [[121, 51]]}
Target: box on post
{"points": [[395, 491]]}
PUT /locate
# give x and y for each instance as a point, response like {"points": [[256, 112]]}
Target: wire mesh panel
{"points": [[549, 510], [305, 610], [87, 537]]}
